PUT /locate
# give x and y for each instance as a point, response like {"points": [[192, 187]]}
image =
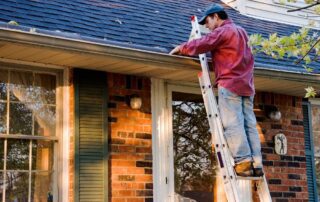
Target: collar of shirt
{"points": [[226, 22]]}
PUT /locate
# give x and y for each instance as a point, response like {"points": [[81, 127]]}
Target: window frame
{"points": [[314, 102], [56, 140], [162, 141], [170, 89]]}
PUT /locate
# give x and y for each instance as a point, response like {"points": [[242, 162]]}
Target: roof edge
{"points": [[287, 75], [100, 47], [132, 53]]}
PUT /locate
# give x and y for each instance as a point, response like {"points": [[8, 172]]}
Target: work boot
{"points": [[244, 169], [258, 172]]}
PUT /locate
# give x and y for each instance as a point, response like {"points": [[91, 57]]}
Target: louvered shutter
{"points": [[91, 136], [311, 175]]}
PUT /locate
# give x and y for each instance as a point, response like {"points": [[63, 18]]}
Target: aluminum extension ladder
{"points": [[226, 163]]}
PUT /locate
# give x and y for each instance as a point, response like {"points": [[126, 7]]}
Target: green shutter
{"points": [[91, 163], [311, 174]]}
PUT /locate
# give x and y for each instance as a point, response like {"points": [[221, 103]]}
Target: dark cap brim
{"points": [[202, 21]]}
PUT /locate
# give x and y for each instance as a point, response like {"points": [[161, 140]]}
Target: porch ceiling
{"points": [[27, 48]]}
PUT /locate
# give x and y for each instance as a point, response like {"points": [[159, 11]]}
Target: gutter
{"points": [[78, 44], [155, 55], [262, 71]]}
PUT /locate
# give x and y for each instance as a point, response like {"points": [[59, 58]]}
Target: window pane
{"points": [[316, 139], [316, 129], [1, 153], [45, 121], [45, 88], [17, 184], [18, 155], [21, 86], [3, 84], [193, 157], [42, 155], [20, 119], [41, 189], [1, 185], [3, 118], [317, 165]]}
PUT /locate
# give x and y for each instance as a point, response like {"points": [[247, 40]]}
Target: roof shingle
{"points": [[144, 23]]}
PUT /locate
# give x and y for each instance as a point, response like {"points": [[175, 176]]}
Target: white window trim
{"points": [[64, 188], [314, 101], [162, 146], [298, 4], [170, 89]]}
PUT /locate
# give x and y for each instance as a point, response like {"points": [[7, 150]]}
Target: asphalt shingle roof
{"points": [[158, 24]]}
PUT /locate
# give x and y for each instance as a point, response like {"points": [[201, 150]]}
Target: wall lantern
{"points": [[272, 112], [135, 101], [280, 144]]}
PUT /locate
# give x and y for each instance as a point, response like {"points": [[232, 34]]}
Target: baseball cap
{"points": [[214, 8]]}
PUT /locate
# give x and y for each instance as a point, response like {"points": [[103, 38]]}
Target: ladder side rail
{"points": [[263, 190], [205, 77], [214, 118], [222, 141], [223, 156], [213, 111]]}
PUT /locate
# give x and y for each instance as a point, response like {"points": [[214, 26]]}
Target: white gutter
{"points": [[157, 56]]}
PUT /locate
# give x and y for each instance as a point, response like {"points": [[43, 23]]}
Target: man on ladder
{"points": [[233, 64]]}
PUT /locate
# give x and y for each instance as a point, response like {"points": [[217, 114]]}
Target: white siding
{"points": [[273, 10]]}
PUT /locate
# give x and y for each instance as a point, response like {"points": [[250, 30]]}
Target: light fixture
{"points": [[272, 112], [135, 101], [275, 115]]}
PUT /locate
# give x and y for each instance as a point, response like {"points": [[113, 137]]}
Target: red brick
{"points": [[143, 149], [125, 193], [143, 178], [121, 185], [135, 199], [122, 163], [113, 199]]}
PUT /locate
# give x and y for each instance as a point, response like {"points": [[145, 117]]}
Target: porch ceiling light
{"points": [[135, 101]]}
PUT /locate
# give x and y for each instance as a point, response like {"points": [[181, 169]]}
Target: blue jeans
{"points": [[239, 124]]}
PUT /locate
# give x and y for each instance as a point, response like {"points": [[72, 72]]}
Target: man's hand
{"points": [[175, 51]]}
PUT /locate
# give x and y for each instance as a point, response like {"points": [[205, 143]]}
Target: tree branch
{"points": [[305, 7], [298, 61]]}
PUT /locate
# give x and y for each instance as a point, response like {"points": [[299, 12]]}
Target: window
{"points": [[28, 135], [315, 110], [194, 162]]}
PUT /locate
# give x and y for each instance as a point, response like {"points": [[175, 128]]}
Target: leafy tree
{"points": [[302, 47], [193, 159]]}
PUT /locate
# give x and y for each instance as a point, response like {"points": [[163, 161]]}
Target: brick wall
{"points": [[130, 140], [286, 174], [130, 164]]}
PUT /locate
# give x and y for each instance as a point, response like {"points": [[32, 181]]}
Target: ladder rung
{"points": [[249, 178]]}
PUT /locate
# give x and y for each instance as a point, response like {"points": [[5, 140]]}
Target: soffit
{"points": [[65, 53]]}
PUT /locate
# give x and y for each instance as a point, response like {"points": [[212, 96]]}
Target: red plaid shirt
{"points": [[232, 58]]}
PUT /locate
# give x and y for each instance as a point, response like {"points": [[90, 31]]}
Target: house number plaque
{"points": [[280, 143]]}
